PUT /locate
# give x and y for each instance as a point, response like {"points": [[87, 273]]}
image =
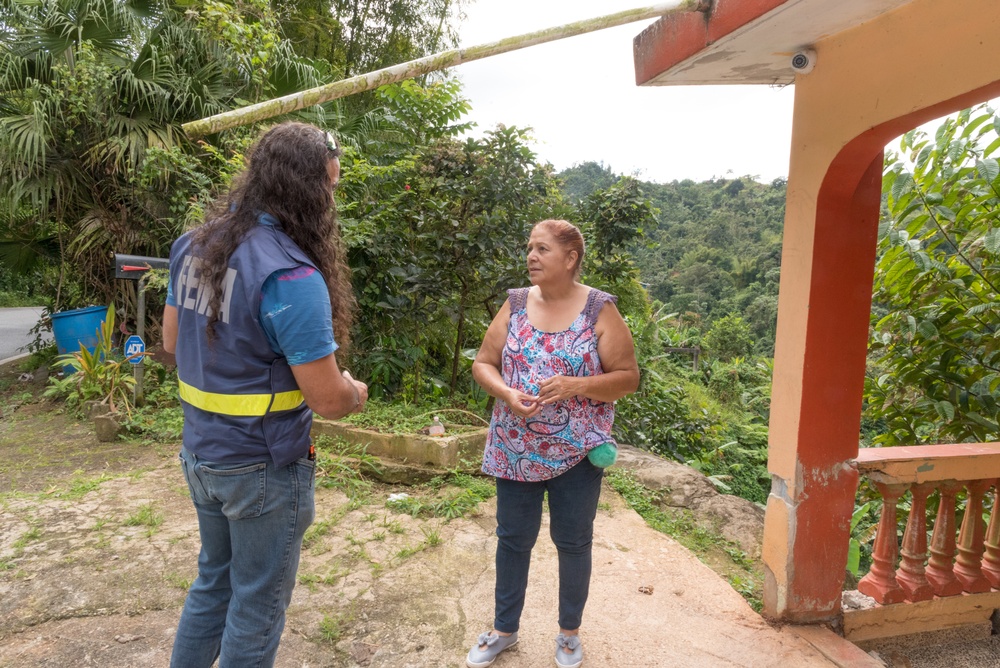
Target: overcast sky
{"points": [[579, 95]]}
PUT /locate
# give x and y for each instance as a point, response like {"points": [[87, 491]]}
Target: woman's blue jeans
{"points": [[251, 518], [573, 500]]}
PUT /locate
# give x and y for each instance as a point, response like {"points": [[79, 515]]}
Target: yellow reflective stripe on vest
{"points": [[242, 405]]}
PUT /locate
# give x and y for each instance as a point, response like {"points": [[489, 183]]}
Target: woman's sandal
{"points": [[494, 643], [574, 657]]}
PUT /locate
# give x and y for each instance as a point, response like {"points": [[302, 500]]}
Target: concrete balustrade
{"points": [[912, 581]]}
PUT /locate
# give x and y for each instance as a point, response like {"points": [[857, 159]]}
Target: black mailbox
{"points": [[134, 267]]}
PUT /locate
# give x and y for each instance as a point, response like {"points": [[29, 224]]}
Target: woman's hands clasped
{"points": [[550, 390], [557, 388], [525, 405]]}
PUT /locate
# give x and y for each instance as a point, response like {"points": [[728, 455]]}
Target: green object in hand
{"points": [[603, 455]]}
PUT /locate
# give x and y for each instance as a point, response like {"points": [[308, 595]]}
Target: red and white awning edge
{"points": [[745, 41]]}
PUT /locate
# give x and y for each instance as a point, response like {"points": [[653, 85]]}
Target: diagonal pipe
{"points": [[438, 61]]}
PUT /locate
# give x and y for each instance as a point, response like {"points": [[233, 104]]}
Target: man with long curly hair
{"points": [[260, 299]]}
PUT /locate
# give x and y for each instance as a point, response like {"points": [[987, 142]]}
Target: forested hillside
{"points": [[715, 250]]}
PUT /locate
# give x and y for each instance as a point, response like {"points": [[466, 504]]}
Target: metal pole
{"points": [[139, 368], [438, 61]]}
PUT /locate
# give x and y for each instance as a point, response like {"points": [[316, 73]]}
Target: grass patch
{"points": [[177, 580], [342, 465], [313, 580], [79, 487], [29, 536], [314, 533], [146, 516], [722, 555], [393, 526], [401, 418], [332, 628], [431, 539], [14, 401], [454, 495]]}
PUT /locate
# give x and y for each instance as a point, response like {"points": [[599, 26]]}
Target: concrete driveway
{"points": [[15, 323]]}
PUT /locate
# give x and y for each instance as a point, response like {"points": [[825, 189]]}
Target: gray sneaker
{"points": [[494, 645], [574, 657]]}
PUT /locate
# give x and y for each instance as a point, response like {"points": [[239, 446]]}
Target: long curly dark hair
{"points": [[286, 176]]}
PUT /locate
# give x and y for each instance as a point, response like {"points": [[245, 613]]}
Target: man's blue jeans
{"points": [[573, 500], [251, 518]]}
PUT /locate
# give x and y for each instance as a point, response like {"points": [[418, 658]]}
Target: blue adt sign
{"points": [[134, 346]]}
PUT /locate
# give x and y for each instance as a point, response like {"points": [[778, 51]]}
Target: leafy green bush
{"points": [[658, 418], [739, 466], [156, 423], [729, 337], [741, 384], [18, 289], [13, 299], [102, 375], [934, 375], [43, 356], [160, 417]]}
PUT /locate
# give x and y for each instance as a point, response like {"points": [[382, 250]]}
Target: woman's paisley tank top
{"points": [[560, 435]]}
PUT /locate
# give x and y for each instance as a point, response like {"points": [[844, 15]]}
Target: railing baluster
{"points": [[968, 565], [939, 571], [910, 574], [991, 560], [880, 582]]}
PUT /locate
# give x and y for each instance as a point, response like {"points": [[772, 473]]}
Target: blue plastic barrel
{"points": [[79, 327]]}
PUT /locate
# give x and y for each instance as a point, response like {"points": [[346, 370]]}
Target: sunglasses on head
{"points": [[331, 144]]}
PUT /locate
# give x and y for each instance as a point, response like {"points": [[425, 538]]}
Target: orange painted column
{"points": [[871, 83], [814, 485]]}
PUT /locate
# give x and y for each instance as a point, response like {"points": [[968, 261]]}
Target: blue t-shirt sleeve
{"points": [[295, 314], [170, 292]]}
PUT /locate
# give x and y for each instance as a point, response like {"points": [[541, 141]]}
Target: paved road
{"points": [[14, 326]]}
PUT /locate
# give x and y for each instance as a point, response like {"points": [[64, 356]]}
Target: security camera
{"points": [[804, 61]]}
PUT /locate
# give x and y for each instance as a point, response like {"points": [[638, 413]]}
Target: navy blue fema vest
{"points": [[241, 402]]}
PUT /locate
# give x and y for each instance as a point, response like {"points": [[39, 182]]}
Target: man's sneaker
{"points": [[572, 658], [494, 644]]}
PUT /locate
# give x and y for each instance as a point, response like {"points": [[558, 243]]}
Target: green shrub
{"points": [[160, 418], [729, 337], [658, 418], [102, 375]]}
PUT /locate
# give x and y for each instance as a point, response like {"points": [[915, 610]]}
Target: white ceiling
{"points": [[760, 52]]}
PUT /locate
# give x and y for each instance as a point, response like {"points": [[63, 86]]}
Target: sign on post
{"points": [[134, 345], [137, 268]]}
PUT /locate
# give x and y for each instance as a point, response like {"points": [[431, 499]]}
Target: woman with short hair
{"points": [[556, 356]]}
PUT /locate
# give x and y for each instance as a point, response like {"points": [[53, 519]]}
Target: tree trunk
{"points": [[459, 335]]}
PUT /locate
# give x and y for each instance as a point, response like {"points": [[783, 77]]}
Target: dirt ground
{"points": [[99, 542]]}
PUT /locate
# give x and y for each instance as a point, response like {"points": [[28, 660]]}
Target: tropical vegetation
{"points": [[934, 370], [435, 214]]}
